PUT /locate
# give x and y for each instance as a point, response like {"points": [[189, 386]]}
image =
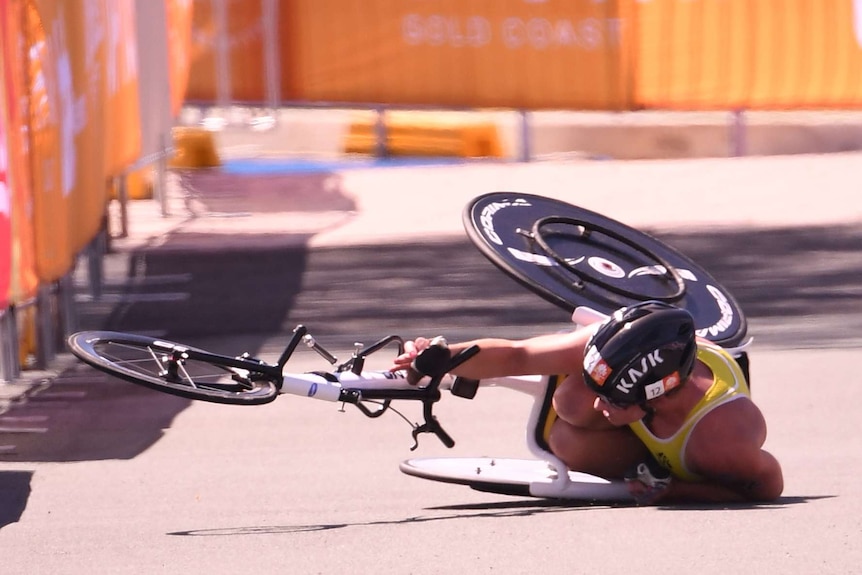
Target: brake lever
{"points": [[431, 425], [435, 428]]}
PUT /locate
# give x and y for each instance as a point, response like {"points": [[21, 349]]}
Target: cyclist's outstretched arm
{"points": [[545, 354]]}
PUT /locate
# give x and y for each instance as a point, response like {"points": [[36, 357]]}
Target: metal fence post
{"points": [[737, 134], [46, 331], [223, 75], [271, 60], [526, 142], [68, 313], [10, 365], [160, 178], [122, 188], [95, 264], [381, 137]]}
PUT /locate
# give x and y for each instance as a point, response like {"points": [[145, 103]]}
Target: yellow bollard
{"points": [[195, 148], [139, 184], [424, 135]]}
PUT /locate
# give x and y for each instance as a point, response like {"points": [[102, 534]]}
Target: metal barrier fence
{"points": [[88, 94]]}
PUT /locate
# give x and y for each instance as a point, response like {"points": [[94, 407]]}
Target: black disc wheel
{"points": [[177, 369], [575, 257]]}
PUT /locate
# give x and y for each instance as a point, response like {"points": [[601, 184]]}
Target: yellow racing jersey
{"points": [[728, 385]]}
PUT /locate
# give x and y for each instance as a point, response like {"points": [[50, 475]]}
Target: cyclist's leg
{"points": [[573, 401], [607, 453], [584, 440]]}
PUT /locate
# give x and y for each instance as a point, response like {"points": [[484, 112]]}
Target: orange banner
{"points": [[552, 54], [83, 118], [242, 65], [769, 54], [470, 53], [538, 54], [5, 184], [122, 138], [23, 281], [86, 25], [51, 123]]}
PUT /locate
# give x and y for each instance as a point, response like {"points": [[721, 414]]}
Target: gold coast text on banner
{"points": [[471, 53]]}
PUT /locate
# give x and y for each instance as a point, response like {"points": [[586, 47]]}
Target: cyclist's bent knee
{"points": [[573, 402]]}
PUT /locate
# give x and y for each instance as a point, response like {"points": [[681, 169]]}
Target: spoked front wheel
{"points": [[177, 369]]}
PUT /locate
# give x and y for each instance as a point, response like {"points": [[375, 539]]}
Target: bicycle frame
{"points": [[245, 380], [350, 385]]}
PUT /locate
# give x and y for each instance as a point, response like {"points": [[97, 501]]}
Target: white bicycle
{"points": [[579, 260]]}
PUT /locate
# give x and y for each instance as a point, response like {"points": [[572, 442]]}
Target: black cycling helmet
{"points": [[640, 352]]}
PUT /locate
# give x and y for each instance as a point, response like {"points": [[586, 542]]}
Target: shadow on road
{"points": [[494, 510], [84, 415], [179, 295], [799, 287], [788, 271], [506, 511], [14, 493]]}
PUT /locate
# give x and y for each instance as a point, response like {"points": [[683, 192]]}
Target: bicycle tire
{"points": [[193, 374]]}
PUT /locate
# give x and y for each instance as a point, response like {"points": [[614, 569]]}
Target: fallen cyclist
{"points": [[646, 401]]}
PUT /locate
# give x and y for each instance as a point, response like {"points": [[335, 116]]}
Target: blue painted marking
{"points": [[262, 166]]}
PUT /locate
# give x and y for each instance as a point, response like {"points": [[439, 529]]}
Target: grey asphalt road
{"points": [[101, 476]]}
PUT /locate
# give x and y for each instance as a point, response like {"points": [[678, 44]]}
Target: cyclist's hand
{"points": [[406, 359], [411, 350], [423, 357], [648, 483]]}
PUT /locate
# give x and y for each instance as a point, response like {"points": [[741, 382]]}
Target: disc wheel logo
{"points": [[606, 267]]}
